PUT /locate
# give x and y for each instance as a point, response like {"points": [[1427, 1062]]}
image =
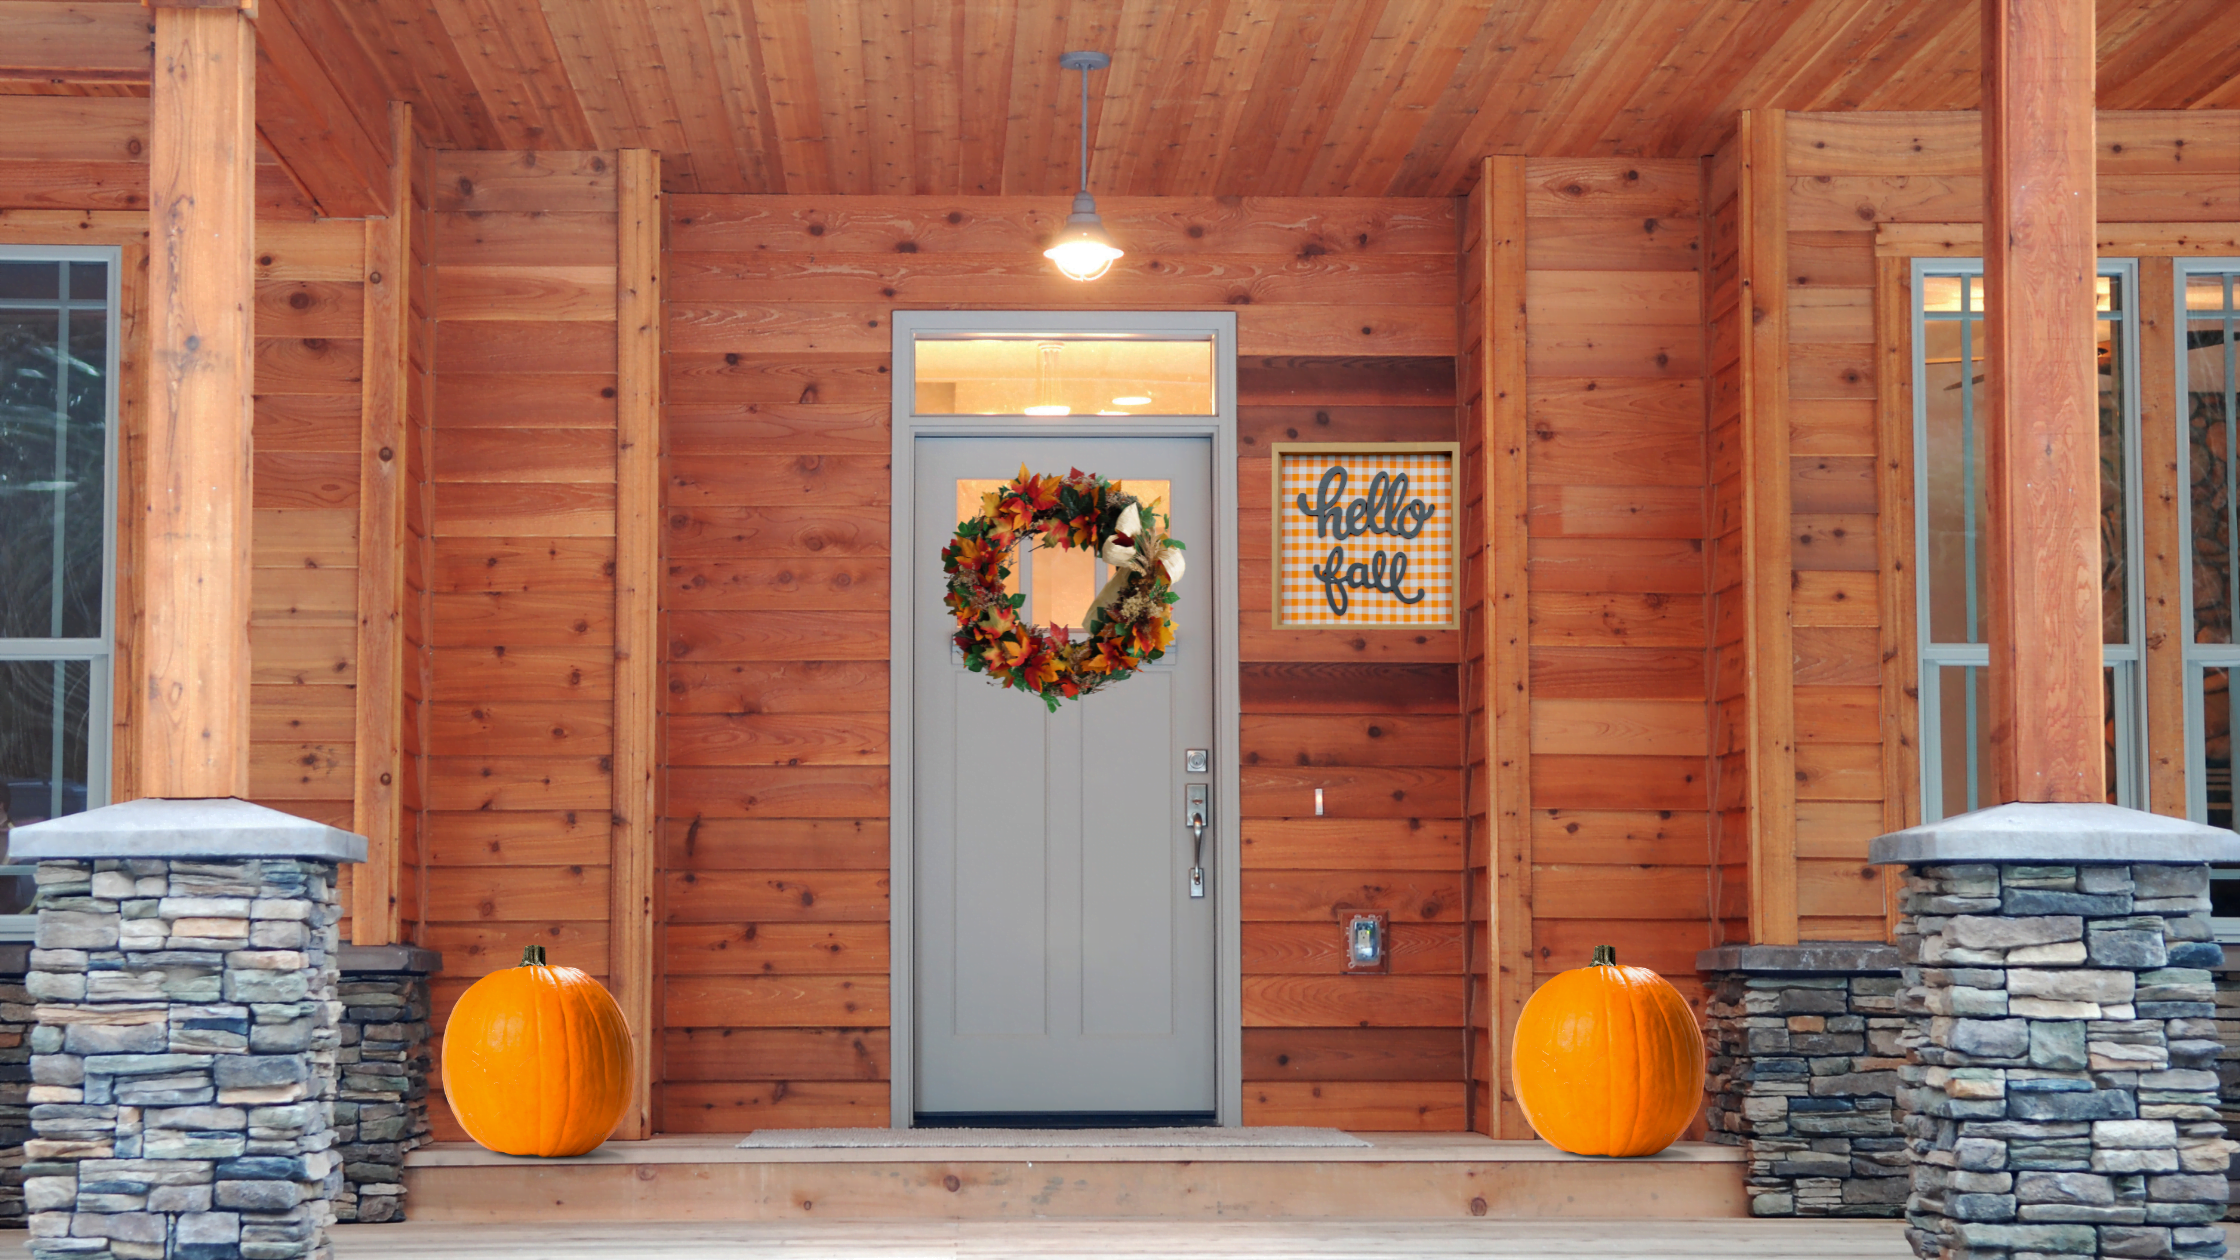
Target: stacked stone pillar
{"points": [[183, 1059], [2059, 1096], [1802, 1049], [381, 1100]]}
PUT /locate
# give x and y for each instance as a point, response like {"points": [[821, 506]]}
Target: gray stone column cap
{"points": [[153, 828], [1809, 958], [388, 958], [2058, 835]]}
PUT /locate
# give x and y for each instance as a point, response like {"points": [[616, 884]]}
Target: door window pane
{"points": [[1072, 376], [1060, 583]]}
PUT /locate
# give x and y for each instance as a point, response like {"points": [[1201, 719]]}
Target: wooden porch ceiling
{"points": [[1220, 97]]}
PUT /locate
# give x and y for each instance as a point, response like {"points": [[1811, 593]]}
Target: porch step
{"points": [[1398, 1176]]}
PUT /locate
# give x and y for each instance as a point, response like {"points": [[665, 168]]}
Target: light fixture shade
{"points": [[1082, 249]]}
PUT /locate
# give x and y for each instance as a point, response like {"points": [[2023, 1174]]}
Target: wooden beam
{"points": [[314, 125], [383, 484], [637, 622], [1508, 623], [2112, 240], [1896, 627], [72, 41], [2159, 523], [1768, 654], [194, 739], [2043, 479]]}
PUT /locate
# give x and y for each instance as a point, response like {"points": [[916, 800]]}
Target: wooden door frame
{"points": [[1220, 583]]}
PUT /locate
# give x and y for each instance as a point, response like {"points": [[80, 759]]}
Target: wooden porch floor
{"points": [[1171, 1240]]}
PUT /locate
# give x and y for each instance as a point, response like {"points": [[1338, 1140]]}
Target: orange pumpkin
{"points": [[1608, 1060], [536, 1060]]}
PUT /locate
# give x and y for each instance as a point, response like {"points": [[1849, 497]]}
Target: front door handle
{"points": [[1194, 817]]}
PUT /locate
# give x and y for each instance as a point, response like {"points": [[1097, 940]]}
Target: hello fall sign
{"points": [[1366, 535]]}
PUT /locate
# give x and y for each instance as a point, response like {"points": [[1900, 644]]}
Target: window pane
{"points": [[43, 751], [1963, 756], [53, 455], [2115, 460], [1952, 391], [1075, 376], [38, 281], [2209, 381], [89, 282], [2216, 745]]}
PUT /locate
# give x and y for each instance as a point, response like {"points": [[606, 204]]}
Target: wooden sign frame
{"points": [[1279, 451]]}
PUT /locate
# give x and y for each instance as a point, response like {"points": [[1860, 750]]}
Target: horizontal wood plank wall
{"points": [[75, 172], [521, 587], [775, 843], [91, 153], [1616, 472], [1849, 174], [303, 618]]}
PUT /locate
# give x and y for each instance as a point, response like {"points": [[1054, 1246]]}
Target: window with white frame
{"points": [[1951, 514], [2208, 293], [58, 355]]}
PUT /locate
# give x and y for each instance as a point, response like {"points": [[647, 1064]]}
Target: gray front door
{"points": [[1064, 971]]}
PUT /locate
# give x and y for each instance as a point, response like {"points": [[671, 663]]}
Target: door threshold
{"points": [[1064, 1120]]}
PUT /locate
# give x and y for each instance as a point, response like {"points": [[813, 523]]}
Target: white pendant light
{"points": [[1082, 250]]}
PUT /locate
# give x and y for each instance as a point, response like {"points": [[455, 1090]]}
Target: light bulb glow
{"points": [[1133, 400], [1082, 258]]}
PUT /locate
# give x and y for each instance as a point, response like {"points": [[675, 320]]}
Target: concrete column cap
{"points": [[219, 829], [2079, 834]]}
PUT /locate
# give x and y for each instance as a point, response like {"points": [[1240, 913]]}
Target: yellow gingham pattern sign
{"points": [[1365, 537]]}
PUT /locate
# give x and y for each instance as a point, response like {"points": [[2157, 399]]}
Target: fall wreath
{"points": [[1126, 625]]}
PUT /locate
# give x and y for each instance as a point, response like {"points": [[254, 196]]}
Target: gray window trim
{"points": [[2125, 658], [1221, 428], [99, 652]]}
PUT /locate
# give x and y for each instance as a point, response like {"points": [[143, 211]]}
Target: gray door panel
{"points": [[1061, 963]]}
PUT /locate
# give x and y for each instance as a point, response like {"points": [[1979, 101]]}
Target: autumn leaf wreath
{"points": [[1127, 624]]}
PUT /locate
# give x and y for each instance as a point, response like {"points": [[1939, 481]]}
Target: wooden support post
{"points": [[194, 733], [1507, 623], [1768, 655], [2043, 390], [1896, 630], [383, 484], [637, 661], [2167, 618]]}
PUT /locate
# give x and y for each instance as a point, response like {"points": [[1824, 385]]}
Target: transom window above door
{"points": [[1072, 375]]}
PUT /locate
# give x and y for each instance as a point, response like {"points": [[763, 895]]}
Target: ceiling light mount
{"points": [[1083, 250]]}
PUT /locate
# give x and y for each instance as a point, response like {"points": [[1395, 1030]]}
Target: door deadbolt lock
{"points": [[1194, 761], [1194, 817]]}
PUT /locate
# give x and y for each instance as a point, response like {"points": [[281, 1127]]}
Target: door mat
{"points": [[868, 1139]]}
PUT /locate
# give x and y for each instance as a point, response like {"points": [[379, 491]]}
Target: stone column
{"points": [[381, 1107], [183, 1058], [1802, 1051], [15, 1080], [2060, 1090]]}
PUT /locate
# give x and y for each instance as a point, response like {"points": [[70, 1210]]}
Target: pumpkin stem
{"points": [[533, 955], [1605, 956]]}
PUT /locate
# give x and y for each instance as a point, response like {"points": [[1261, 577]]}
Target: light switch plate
{"points": [[1194, 761]]}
